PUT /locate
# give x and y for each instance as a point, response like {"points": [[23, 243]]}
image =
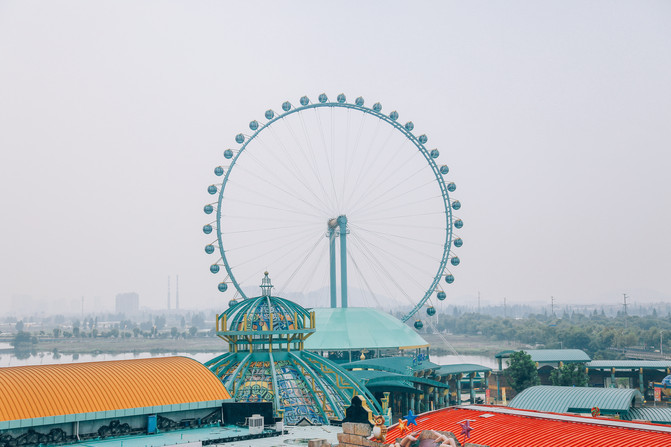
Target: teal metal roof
{"points": [[463, 368], [398, 365], [384, 381], [551, 355], [651, 414], [356, 328], [629, 364], [566, 399]]}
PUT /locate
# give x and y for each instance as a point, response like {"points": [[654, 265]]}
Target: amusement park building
{"points": [[267, 361], [55, 403], [361, 329]]}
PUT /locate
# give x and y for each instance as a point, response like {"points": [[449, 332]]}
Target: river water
{"points": [[48, 358]]}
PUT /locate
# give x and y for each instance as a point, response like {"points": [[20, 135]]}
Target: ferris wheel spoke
{"points": [[399, 244], [399, 216], [320, 260], [302, 263], [400, 271], [256, 243], [342, 192], [253, 230], [355, 151], [375, 209], [327, 158], [374, 205], [411, 265], [311, 161], [276, 186], [293, 170], [398, 236], [377, 275], [281, 248], [288, 210], [365, 162], [227, 221], [383, 269], [361, 160], [314, 156], [388, 191], [368, 288], [383, 172]]}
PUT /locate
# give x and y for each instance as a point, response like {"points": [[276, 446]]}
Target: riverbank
{"points": [[462, 344]]}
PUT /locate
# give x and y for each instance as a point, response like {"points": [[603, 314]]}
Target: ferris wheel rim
{"points": [[289, 109]]}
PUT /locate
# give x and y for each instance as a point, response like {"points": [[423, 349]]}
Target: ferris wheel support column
{"points": [[332, 263], [342, 222]]}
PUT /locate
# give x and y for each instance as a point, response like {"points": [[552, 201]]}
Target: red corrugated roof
{"points": [[535, 429]]}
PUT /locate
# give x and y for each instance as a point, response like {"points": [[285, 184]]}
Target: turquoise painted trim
{"points": [[415, 140], [344, 373], [231, 379], [251, 332], [413, 379], [276, 390], [338, 409], [297, 362], [79, 417], [243, 372], [222, 360]]}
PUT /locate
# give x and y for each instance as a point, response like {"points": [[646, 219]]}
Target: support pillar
{"points": [[641, 386], [612, 378], [459, 376], [342, 222], [332, 264], [471, 376]]}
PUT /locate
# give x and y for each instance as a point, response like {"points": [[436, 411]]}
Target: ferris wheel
{"points": [[327, 187]]}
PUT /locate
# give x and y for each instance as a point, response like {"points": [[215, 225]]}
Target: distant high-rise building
{"points": [[127, 303]]}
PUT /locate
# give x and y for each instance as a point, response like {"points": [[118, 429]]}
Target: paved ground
{"points": [[294, 436]]}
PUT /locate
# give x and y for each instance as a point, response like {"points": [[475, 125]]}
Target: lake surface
{"points": [[48, 358], [489, 362]]}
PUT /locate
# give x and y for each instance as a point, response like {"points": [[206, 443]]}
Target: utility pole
{"points": [[552, 305], [624, 304]]}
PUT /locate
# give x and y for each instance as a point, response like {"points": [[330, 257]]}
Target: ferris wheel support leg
{"points": [[332, 265], [342, 221]]}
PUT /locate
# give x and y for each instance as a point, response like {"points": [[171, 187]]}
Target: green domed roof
{"points": [[265, 322]]}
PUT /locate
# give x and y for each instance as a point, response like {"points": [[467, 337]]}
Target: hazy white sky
{"points": [[553, 117]]}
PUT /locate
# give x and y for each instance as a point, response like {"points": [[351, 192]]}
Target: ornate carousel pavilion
{"points": [[266, 361]]}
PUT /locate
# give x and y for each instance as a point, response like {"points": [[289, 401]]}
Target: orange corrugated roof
{"points": [[533, 430], [52, 390]]}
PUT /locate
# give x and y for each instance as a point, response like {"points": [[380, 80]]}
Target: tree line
{"points": [[600, 336]]}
